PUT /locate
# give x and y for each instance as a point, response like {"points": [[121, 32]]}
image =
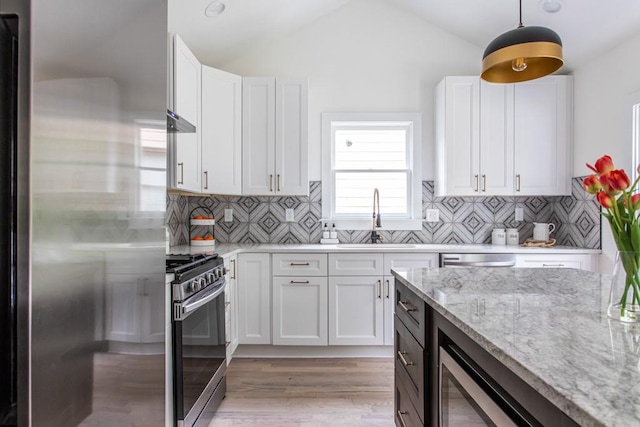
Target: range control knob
{"points": [[203, 282], [211, 277], [192, 286], [224, 271]]}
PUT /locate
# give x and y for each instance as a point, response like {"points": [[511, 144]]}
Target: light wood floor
{"points": [[308, 392]]}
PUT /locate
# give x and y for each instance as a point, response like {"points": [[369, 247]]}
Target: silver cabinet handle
{"points": [[206, 180], [234, 269], [181, 166], [278, 182], [518, 182], [477, 186], [299, 263], [270, 182], [553, 265], [403, 360], [379, 288], [484, 183], [388, 288], [400, 414], [305, 282], [403, 304]]}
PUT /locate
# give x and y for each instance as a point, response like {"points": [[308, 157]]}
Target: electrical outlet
{"points": [[228, 215], [288, 215], [519, 215], [433, 215]]}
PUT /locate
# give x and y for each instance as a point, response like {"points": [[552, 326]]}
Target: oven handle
{"points": [[184, 309]]}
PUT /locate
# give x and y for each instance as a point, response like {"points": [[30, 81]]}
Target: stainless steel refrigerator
{"points": [[83, 172]]}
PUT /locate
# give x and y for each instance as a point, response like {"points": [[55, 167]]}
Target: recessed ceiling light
{"points": [[550, 6], [215, 8]]}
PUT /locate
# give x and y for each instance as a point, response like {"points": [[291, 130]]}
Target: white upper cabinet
{"points": [[185, 155], [275, 136], [503, 139], [221, 132], [543, 134], [458, 136]]}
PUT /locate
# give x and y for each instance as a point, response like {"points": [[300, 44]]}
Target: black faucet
{"points": [[377, 223]]}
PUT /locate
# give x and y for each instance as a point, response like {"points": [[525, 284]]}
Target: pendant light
{"points": [[525, 53]]}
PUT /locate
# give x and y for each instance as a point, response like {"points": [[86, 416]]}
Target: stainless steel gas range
{"points": [[199, 342]]}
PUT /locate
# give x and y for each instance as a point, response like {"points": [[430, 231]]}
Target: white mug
{"points": [[541, 230], [513, 237]]}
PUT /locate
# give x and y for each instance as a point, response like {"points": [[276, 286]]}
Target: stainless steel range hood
{"points": [[176, 124]]}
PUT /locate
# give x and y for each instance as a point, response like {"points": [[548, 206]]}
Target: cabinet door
{"points": [[231, 306], [221, 132], [186, 102], [458, 136], [254, 298], [542, 138], [299, 310], [258, 136], [356, 310], [496, 139], [291, 143]]}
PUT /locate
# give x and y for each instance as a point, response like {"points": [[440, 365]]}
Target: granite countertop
{"points": [[228, 249], [549, 326]]}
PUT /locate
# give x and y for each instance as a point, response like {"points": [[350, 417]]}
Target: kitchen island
{"points": [[541, 335]]}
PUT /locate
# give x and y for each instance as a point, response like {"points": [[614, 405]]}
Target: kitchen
{"points": [[354, 36]]}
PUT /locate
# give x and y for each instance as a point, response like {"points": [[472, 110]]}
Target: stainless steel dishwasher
{"points": [[477, 260]]}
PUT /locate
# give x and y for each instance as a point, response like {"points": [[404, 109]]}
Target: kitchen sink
{"points": [[375, 246]]}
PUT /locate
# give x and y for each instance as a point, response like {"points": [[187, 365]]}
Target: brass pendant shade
{"points": [[522, 54]]}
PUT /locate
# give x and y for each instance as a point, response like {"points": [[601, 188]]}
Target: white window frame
{"points": [[413, 122], [633, 114]]}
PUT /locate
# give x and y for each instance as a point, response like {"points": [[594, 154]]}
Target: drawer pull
{"points": [[388, 286], [379, 289], [400, 414], [403, 360], [299, 263], [553, 265], [403, 304], [306, 282]]}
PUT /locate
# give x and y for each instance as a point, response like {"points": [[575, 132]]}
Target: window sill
{"points": [[365, 224]]}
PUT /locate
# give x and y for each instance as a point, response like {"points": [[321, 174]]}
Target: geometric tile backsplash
{"points": [[462, 219]]}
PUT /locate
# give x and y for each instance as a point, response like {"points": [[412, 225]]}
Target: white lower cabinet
{"points": [[299, 310], [231, 306], [581, 261], [254, 298], [356, 310]]}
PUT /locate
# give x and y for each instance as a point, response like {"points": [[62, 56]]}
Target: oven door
{"points": [[199, 352]]}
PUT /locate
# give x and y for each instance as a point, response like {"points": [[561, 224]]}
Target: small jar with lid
{"points": [[498, 236], [513, 236]]}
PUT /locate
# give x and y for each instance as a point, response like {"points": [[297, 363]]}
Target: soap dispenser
{"points": [[334, 233]]}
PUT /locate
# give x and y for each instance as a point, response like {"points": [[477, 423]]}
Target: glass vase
{"points": [[624, 296]]}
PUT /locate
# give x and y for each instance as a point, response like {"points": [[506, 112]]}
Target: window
{"points": [[634, 104], [366, 151]]}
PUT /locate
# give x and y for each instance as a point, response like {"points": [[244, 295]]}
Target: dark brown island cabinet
{"points": [[444, 378]]}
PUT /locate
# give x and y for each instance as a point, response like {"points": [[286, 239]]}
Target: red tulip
{"points": [[605, 200], [591, 184], [603, 165], [635, 202], [617, 179]]}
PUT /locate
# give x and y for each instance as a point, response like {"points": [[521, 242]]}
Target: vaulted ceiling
{"points": [[587, 27]]}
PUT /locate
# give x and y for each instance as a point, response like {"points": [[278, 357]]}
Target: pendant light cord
{"points": [[520, 25]]}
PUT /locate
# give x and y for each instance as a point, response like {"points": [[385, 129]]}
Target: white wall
{"points": [[368, 56], [601, 117]]}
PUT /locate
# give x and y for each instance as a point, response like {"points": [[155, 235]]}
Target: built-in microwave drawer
{"points": [[410, 308], [406, 414], [299, 264], [409, 366]]}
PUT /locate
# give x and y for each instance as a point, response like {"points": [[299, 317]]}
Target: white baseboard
{"points": [[286, 351]]}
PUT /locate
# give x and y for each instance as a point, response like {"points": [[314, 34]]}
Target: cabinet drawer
{"points": [[365, 264], [416, 260], [409, 366], [405, 413], [410, 309], [299, 264], [582, 261]]}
